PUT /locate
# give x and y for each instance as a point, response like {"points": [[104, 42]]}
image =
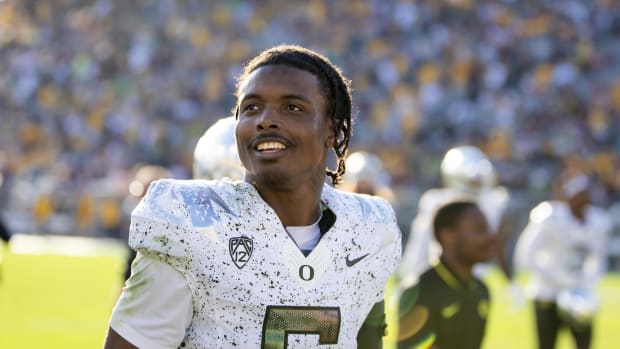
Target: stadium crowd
{"points": [[91, 88]]}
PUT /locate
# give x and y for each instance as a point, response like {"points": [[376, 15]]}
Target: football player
{"points": [[466, 173], [280, 259], [366, 175], [563, 247], [5, 236], [448, 306]]}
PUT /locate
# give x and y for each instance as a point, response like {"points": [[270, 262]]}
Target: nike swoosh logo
{"points": [[352, 262]]}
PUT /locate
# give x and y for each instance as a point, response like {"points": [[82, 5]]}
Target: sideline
{"points": [[77, 246]]}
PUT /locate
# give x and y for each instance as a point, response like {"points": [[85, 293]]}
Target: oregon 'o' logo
{"points": [[306, 272]]}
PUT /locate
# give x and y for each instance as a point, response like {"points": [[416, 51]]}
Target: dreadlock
{"points": [[337, 92]]}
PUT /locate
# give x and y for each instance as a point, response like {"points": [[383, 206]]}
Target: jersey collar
{"points": [[452, 280]]}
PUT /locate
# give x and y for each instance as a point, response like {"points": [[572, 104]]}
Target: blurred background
{"points": [[92, 89]]}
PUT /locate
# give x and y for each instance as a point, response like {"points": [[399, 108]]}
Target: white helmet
{"points": [[467, 169], [365, 174], [215, 155]]}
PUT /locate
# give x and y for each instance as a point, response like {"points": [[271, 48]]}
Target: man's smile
{"points": [[270, 146]]}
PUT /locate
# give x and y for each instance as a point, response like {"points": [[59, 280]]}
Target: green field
{"points": [[49, 300]]}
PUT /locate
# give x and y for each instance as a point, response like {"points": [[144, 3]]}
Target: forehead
{"points": [[472, 215], [279, 79]]}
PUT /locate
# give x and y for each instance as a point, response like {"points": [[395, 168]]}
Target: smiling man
{"points": [[448, 306], [280, 259]]}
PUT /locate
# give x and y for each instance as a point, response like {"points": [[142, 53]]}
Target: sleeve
{"points": [[372, 331], [416, 255], [155, 306], [159, 228], [535, 254], [596, 263], [421, 242], [390, 243], [415, 328]]}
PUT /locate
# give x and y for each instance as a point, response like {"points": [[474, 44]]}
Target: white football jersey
{"points": [[422, 249], [251, 285], [560, 251]]}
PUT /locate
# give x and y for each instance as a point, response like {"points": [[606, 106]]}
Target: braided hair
{"points": [[337, 92]]}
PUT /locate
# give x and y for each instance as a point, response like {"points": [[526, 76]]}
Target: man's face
{"points": [[282, 133], [475, 243]]}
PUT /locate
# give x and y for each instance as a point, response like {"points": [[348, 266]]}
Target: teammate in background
{"points": [[280, 259], [366, 175], [564, 249], [215, 155], [4, 232], [138, 187], [448, 306], [466, 171], [5, 236]]}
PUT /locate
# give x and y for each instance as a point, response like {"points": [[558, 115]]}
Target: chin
{"points": [[271, 178]]}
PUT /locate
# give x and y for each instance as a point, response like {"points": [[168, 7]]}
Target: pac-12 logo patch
{"points": [[240, 249]]}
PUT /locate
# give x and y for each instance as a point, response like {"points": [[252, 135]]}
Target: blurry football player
{"points": [[366, 175], [280, 259], [563, 248], [215, 155], [5, 235], [466, 173], [448, 306]]}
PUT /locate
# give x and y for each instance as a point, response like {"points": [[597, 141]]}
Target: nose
{"points": [[269, 119]]}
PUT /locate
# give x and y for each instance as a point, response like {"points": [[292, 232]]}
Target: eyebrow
{"points": [[285, 97]]}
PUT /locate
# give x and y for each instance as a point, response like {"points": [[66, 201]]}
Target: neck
{"points": [[299, 206], [461, 269], [578, 212]]}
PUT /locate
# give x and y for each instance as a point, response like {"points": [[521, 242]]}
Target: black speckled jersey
{"points": [[252, 287], [443, 312]]}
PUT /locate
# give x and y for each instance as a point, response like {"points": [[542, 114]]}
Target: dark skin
{"points": [[469, 243], [283, 136], [578, 203], [283, 110]]}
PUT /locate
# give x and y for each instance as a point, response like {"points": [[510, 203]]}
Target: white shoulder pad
{"points": [[434, 198], [385, 217], [173, 211], [498, 195], [545, 210], [601, 218]]}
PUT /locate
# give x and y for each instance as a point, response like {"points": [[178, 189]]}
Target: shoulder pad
{"points": [[545, 210], [174, 211]]}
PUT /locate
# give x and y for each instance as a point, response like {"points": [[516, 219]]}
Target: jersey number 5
{"points": [[282, 320]]}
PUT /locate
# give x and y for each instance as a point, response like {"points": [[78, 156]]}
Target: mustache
{"points": [[267, 137]]}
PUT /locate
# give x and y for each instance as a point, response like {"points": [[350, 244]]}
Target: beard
{"points": [[282, 181]]}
